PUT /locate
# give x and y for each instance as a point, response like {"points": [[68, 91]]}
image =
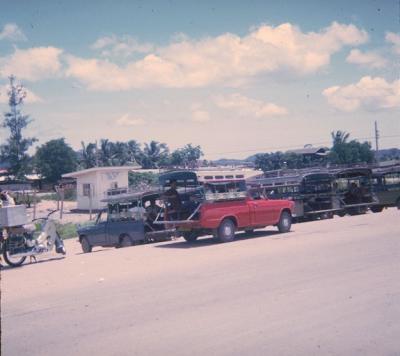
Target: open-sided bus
{"points": [[386, 186], [353, 186], [311, 192]]}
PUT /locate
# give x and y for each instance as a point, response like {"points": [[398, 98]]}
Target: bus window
{"points": [[392, 179]]}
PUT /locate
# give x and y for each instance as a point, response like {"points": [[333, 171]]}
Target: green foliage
{"points": [[155, 155], [142, 179], [55, 158], [290, 160], [14, 151], [69, 195], [67, 231], [343, 152], [88, 156], [186, 157], [26, 199]]}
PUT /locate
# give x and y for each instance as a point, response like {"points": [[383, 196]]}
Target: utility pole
{"points": [[376, 140]]}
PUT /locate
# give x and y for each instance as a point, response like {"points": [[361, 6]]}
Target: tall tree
{"points": [[15, 150], [55, 158], [155, 155], [344, 152], [105, 152], [339, 137], [88, 155], [186, 157]]}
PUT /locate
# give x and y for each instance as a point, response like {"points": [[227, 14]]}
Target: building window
{"points": [[114, 185], [86, 189]]}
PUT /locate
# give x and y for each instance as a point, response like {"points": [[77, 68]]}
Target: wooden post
{"points": [[34, 204], [90, 202], [61, 189], [58, 197]]}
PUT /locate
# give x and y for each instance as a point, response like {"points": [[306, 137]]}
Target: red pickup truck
{"points": [[225, 207]]}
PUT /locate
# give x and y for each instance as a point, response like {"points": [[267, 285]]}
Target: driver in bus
{"points": [[174, 201]]}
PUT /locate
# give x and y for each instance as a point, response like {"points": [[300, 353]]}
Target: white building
{"points": [[93, 184]]}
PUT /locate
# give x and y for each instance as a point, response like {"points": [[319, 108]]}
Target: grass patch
{"points": [[70, 230], [67, 231], [69, 195]]}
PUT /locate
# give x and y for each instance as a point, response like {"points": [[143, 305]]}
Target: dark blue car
{"points": [[128, 220]]}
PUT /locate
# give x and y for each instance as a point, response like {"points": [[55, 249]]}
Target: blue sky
{"points": [[234, 77]]}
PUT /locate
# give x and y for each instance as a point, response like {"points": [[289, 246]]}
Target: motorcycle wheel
{"points": [[13, 261]]}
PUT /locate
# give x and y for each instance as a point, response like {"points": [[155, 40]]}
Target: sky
{"points": [[235, 77]]}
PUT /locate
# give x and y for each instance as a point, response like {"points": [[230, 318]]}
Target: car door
{"points": [[263, 211], [98, 232]]}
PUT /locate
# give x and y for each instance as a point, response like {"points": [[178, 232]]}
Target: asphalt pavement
{"points": [[329, 287]]}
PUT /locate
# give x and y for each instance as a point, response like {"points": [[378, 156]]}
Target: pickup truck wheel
{"points": [[226, 231], [285, 222], [125, 241], [376, 208], [190, 236], [86, 246]]}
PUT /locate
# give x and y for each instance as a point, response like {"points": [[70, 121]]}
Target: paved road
{"points": [[328, 288]]}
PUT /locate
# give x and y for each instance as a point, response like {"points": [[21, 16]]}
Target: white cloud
{"points": [[224, 59], [127, 120], [200, 116], [367, 59], [369, 93], [12, 32], [249, 107], [30, 98], [124, 46], [394, 39], [31, 64]]}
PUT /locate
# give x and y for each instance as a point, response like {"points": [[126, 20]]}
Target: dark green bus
{"points": [[386, 186]]}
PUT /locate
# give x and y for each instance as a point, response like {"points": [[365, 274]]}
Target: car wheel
{"points": [[125, 241], [341, 213], [376, 208], [86, 246], [285, 222], [190, 236], [226, 231], [398, 203]]}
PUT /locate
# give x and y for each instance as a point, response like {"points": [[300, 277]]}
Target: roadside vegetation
{"points": [[56, 157]]}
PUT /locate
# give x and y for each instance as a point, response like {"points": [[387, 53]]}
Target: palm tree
{"points": [[134, 152], [339, 137], [88, 155], [106, 152], [155, 154]]}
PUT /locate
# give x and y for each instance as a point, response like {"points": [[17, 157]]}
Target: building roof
{"points": [[100, 169], [321, 151]]}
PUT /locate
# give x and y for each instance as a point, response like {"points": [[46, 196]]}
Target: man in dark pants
{"points": [[174, 202]]}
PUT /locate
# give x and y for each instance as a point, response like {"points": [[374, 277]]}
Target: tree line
{"points": [[56, 157], [343, 151]]}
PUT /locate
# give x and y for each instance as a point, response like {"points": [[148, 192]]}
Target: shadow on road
{"points": [[207, 241], [27, 263], [93, 251]]}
